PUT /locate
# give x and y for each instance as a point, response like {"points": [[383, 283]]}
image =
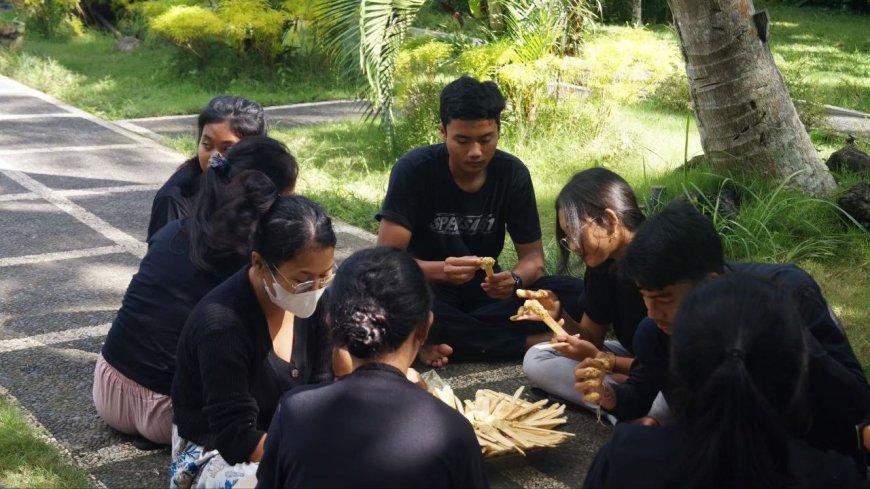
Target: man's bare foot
{"points": [[435, 356]]}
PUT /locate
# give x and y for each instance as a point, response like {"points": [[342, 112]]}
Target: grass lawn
{"points": [[26, 460], [91, 74]]}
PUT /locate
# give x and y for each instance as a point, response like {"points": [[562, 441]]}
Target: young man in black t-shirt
{"points": [[449, 205], [671, 254]]}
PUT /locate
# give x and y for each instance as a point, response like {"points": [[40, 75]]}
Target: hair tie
{"points": [[736, 353], [218, 163]]}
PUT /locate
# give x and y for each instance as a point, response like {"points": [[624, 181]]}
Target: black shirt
{"points": [[642, 457], [227, 382], [370, 429], [175, 198], [142, 340], [445, 221], [611, 299], [838, 395]]}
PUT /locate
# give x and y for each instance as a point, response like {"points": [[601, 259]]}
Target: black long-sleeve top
{"points": [[175, 198], [370, 429], [642, 457], [837, 396], [142, 340], [228, 381]]}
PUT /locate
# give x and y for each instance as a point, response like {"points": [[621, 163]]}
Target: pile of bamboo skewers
{"points": [[505, 424]]}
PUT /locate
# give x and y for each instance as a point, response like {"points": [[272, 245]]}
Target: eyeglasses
{"points": [[566, 244], [309, 285]]}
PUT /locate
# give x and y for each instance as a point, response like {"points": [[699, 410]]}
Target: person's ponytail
{"points": [[248, 197]]}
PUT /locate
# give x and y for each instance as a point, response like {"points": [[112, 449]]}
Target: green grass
{"points": [[26, 460], [824, 55], [88, 72]]}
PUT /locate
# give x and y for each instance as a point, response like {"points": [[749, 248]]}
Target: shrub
{"points": [[421, 73], [51, 18], [192, 28], [250, 25], [484, 61]]}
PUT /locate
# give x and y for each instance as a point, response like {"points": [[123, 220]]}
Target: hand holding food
{"points": [[486, 264], [460, 269], [532, 306], [590, 376]]}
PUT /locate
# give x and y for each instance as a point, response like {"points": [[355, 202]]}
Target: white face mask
{"points": [[301, 305]]}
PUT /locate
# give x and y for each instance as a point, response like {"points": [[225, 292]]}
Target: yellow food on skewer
{"points": [[532, 306], [532, 294], [486, 264]]}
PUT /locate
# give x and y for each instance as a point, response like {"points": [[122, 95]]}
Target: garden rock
{"points": [[850, 158], [725, 203], [856, 202], [11, 34], [127, 44]]}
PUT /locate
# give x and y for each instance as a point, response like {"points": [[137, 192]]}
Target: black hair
{"points": [[244, 117], [587, 195], [229, 203], [293, 224], [679, 244], [738, 363], [469, 99], [378, 297]]}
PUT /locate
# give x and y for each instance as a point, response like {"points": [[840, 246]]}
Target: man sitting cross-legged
{"points": [[449, 205], [675, 251]]}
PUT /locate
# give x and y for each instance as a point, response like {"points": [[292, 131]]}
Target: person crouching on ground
{"points": [[373, 427], [739, 368], [247, 342], [449, 205]]}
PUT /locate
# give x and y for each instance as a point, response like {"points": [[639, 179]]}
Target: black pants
{"points": [[477, 325]]}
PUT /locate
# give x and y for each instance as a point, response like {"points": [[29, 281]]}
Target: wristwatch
{"points": [[518, 281]]}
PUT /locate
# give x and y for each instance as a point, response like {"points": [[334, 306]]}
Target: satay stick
{"points": [[535, 307], [544, 346], [486, 264]]}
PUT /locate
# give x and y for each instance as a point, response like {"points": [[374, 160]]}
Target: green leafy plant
{"points": [[51, 18], [364, 37]]}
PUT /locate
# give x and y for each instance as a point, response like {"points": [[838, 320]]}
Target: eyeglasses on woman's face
{"points": [[295, 287]]}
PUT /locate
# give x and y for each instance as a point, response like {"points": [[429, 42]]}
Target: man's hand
{"points": [[577, 349], [590, 382], [461, 269], [546, 298], [866, 437], [499, 286]]}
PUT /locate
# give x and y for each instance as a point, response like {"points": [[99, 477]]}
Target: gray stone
{"points": [[127, 44], [851, 159], [856, 202]]}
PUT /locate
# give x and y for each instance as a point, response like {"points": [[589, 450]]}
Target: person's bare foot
{"points": [[435, 356]]}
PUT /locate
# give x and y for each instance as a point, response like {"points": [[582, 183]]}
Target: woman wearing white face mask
{"points": [[248, 341]]}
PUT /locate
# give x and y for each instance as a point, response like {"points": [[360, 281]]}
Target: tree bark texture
{"points": [[636, 13], [745, 116]]}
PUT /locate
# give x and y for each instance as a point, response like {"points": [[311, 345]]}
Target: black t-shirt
{"points": [[175, 198], [642, 457], [370, 429], [142, 340], [611, 299], [228, 382], [837, 393], [446, 221]]}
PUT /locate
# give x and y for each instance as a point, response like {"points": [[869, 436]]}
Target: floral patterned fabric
{"points": [[194, 467]]}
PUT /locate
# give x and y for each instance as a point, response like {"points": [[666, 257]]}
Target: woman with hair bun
{"points": [[739, 360], [185, 260], [248, 341], [373, 427]]}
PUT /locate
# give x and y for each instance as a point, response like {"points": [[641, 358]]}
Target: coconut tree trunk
{"points": [[636, 13], [745, 116]]}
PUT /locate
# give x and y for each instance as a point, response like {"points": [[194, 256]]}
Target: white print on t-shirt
{"points": [[453, 224]]}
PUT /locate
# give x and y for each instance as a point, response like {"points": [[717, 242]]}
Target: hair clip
{"points": [[218, 162]]}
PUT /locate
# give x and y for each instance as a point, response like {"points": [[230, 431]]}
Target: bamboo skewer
{"points": [[532, 306]]}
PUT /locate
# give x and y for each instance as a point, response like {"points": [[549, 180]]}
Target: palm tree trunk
{"points": [[636, 13], [745, 116]]}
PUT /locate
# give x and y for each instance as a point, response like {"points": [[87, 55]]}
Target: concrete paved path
{"points": [[278, 117], [75, 195]]}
